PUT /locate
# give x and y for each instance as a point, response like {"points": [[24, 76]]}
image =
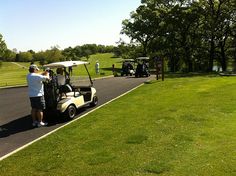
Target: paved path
{"points": [[22, 66], [15, 122]]}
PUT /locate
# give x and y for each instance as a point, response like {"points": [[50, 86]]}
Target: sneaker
{"points": [[40, 124], [35, 123]]}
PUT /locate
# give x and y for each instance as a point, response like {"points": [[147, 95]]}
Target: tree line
{"points": [[192, 35], [53, 54]]}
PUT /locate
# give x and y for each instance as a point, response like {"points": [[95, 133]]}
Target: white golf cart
{"points": [[73, 94]]}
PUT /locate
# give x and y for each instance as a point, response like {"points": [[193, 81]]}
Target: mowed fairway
{"points": [[182, 126], [13, 74]]}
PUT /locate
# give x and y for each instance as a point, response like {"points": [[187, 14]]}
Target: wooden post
{"points": [[162, 69], [157, 70]]}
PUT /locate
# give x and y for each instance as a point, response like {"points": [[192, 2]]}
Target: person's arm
{"points": [[44, 76], [45, 73]]}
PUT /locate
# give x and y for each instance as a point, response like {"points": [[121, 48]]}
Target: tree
{"points": [[41, 57], [192, 35], [3, 47], [70, 54], [9, 55], [143, 26], [25, 57], [216, 18], [53, 55]]}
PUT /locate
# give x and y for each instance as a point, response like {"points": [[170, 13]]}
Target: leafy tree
{"points": [[142, 27], [9, 55], [41, 57], [192, 35], [3, 47], [70, 54], [53, 55], [25, 57]]}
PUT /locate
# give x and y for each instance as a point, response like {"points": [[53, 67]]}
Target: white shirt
{"points": [[35, 84], [61, 80], [97, 67]]}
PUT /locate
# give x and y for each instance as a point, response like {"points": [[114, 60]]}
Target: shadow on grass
{"points": [[182, 74], [192, 74], [110, 69]]}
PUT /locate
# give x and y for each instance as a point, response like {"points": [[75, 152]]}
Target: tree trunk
{"points": [[223, 58], [234, 63], [172, 63], [188, 60], [212, 55], [145, 48]]}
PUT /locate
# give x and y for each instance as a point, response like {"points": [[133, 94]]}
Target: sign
{"points": [[159, 67]]}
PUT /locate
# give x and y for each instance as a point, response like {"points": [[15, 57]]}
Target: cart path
{"points": [[19, 65], [15, 121]]}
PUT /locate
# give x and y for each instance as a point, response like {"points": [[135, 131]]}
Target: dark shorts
{"points": [[38, 103]]}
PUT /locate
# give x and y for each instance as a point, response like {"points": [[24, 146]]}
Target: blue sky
{"points": [[41, 24]]}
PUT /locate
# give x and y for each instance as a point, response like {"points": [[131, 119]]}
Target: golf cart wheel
{"points": [[95, 101], [71, 112]]}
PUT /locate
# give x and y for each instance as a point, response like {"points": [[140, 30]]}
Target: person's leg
{"points": [[33, 114], [40, 118], [34, 117], [39, 114], [41, 106]]}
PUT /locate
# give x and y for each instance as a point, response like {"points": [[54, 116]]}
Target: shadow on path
{"points": [[16, 126], [25, 123]]}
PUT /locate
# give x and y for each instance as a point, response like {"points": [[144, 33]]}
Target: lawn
{"points": [[182, 126], [12, 74]]}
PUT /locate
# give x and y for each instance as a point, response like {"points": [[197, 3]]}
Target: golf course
{"points": [[118, 88], [182, 126], [13, 73]]}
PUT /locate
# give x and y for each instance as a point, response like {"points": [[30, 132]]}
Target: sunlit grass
{"points": [[184, 126], [12, 74]]}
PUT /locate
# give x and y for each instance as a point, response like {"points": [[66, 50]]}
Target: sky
{"points": [[42, 24]]}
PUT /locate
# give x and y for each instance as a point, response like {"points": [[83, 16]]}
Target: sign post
{"points": [[159, 67]]}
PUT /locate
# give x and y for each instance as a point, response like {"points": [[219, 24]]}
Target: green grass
{"points": [[12, 74], [182, 126], [105, 62]]}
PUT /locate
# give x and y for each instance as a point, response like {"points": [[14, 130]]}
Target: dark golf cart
{"points": [[127, 67], [142, 68]]}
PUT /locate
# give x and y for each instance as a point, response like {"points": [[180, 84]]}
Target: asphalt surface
{"points": [[15, 122]]}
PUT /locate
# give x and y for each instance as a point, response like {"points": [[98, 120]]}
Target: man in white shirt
{"points": [[36, 94], [97, 67], [61, 80]]}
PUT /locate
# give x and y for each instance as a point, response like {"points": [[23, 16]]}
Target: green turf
{"points": [[182, 126], [12, 74]]}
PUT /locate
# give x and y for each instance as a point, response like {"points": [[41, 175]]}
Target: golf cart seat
{"points": [[63, 89], [68, 91]]}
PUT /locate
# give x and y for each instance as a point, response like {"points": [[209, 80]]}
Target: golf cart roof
{"points": [[128, 60], [65, 64], [142, 58]]}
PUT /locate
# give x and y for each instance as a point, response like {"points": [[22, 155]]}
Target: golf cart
{"points": [[142, 67], [73, 94], [127, 67]]}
